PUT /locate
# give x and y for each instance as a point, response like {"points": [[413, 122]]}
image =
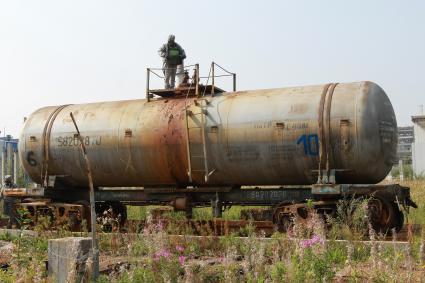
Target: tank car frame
{"points": [[386, 202]]}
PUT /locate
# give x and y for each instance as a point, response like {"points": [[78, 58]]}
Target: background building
{"points": [[405, 141], [418, 148], [9, 158]]}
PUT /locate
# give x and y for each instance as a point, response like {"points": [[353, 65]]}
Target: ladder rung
{"points": [[197, 127], [190, 113], [195, 156], [211, 172]]}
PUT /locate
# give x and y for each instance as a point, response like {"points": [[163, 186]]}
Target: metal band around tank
{"points": [[320, 128], [328, 126], [46, 141], [324, 136]]}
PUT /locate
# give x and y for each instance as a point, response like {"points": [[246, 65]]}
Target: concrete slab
{"points": [[6, 252], [68, 259], [17, 232]]}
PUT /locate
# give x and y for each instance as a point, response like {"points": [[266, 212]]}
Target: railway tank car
{"points": [[274, 147], [263, 137]]}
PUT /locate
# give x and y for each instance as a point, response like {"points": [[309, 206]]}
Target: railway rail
{"points": [[223, 227]]}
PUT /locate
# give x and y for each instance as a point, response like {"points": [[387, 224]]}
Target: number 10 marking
{"points": [[311, 144]]}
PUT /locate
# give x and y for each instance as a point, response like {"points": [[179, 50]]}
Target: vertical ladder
{"points": [[202, 104]]}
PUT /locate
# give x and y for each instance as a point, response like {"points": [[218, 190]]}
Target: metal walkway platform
{"points": [[186, 91]]}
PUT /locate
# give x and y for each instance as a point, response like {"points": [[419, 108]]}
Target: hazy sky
{"points": [[61, 52]]}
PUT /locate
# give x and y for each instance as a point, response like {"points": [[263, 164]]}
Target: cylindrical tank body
{"points": [[261, 137]]}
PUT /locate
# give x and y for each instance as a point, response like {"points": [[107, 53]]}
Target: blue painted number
{"points": [[310, 143]]}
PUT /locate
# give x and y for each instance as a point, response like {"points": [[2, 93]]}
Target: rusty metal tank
{"points": [[261, 137]]}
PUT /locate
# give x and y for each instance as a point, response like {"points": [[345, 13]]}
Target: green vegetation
{"points": [[417, 192], [308, 253], [407, 171], [199, 213]]}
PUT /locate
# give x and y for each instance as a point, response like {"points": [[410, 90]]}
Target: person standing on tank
{"points": [[173, 55]]}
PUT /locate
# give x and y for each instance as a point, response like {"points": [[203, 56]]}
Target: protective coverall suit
{"points": [[173, 56]]}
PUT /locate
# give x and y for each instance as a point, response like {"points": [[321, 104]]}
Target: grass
{"points": [[300, 256], [199, 213], [417, 191], [153, 256], [308, 253]]}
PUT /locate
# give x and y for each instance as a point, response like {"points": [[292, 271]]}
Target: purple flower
{"points": [[160, 226], [182, 259], [179, 248], [310, 242], [162, 254]]}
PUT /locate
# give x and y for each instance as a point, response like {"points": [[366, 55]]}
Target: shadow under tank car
{"points": [[274, 147]]}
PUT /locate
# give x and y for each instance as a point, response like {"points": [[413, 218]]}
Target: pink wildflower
{"points": [[179, 248], [160, 226], [310, 242], [182, 259], [162, 254]]}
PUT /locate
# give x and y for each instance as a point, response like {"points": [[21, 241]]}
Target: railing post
{"points": [[197, 79], [148, 71], [212, 78], [234, 82]]}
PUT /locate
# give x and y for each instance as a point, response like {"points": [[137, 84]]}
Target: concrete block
{"points": [[69, 259], [6, 253]]}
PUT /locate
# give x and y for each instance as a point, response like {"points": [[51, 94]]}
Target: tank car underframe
{"points": [[385, 201]]}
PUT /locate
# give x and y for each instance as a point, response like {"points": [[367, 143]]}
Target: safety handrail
{"points": [[217, 76], [213, 64], [222, 68], [160, 69], [197, 77], [159, 76]]}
